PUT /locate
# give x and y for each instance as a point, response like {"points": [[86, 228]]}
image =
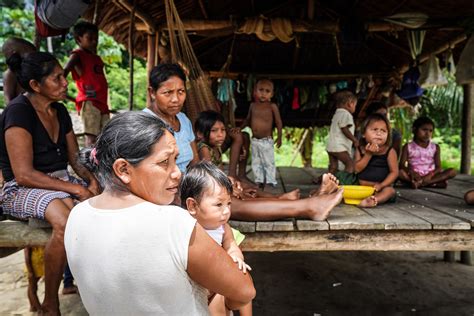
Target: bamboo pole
{"points": [[150, 60], [130, 58], [157, 44], [139, 13], [235, 75], [466, 139]]}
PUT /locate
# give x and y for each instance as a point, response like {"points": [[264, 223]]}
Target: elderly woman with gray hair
{"points": [[132, 253]]}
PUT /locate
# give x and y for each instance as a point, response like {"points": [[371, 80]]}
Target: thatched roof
{"points": [[366, 42]]}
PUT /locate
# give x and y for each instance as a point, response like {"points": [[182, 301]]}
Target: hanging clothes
{"points": [[295, 103]]}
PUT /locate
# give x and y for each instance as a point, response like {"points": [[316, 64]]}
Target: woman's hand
{"points": [[83, 193], [94, 187], [378, 187]]}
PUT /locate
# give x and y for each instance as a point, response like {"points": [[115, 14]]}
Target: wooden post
{"points": [[466, 133], [130, 59], [157, 44], [450, 256], [466, 258], [150, 60]]}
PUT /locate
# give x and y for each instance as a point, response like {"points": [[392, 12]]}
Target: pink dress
{"points": [[421, 159]]}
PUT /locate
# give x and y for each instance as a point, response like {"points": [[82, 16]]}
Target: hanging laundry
{"points": [[431, 74], [295, 104], [465, 67]]}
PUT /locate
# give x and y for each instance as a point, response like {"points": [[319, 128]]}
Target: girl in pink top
{"points": [[420, 162]]}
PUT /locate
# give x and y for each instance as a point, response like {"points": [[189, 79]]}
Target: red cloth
{"points": [[92, 84], [295, 104]]}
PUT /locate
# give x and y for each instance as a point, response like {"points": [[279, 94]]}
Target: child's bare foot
{"points": [[416, 184], [322, 205], [329, 184], [292, 195], [70, 290], [371, 201]]}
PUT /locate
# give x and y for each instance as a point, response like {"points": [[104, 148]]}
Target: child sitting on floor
{"points": [[420, 162], [376, 160], [211, 134], [206, 194]]}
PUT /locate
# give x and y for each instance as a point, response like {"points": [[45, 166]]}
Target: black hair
{"points": [[163, 72], [419, 122], [198, 178], [376, 117], [83, 27], [375, 106], [33, 66], [343, 97], [129, 135], [205, 121]]}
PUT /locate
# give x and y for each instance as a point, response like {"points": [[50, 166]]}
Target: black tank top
{"points": [[377, 168]]}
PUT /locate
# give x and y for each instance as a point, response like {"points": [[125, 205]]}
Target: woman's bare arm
{"points": [[210, 266], [19, 145]]}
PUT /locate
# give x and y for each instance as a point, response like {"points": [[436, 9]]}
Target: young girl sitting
{"points": [[420, 162], [206, 194], [376, 161], [211, 133]]}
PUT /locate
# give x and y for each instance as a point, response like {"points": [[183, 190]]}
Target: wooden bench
{"points": [[420, 220]]}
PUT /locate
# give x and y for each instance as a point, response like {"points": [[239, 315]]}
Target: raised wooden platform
{"points": [[420, 220]]}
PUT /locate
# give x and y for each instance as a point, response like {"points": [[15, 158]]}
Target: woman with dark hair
{"points": [[167, 90], [36, 144], [150, 257]]}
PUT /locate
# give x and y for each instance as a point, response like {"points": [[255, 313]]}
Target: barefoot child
{"points": [[341, 134], [206, 193], [211, 135], [420, 163], [263, 114], [376, 160]]}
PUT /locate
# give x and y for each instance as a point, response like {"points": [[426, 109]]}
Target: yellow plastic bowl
{"points": [[354, 194]]}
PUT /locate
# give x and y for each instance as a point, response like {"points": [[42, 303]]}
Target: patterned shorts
{"points": [[22, 202]]}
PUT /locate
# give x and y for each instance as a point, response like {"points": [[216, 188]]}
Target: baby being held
{"points": [[206, 194]]}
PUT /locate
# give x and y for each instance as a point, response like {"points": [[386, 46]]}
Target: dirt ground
{"points": [[318, 283]]}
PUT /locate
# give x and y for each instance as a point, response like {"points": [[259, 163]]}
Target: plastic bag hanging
{"points": [[450, 66], [431, 74], [465, 67]]}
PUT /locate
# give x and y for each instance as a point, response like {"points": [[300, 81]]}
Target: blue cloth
{"points": [[68, 278], [183, 139]]}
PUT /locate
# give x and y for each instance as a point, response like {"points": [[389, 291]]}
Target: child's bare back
{"points": [[262, 118]]}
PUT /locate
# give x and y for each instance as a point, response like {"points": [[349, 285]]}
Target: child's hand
{"points": [[378, 187], [242, 265], [250, 193], [371, 148], [278, 142]]}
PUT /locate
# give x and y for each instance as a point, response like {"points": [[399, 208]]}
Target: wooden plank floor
{"points": [[427, 219]]}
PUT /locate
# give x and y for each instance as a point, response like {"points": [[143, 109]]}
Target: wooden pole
{"points": [[466, 133], [157, 44], [130, 59], [150, 60]]}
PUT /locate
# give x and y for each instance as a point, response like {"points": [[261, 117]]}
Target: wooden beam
{"points": [[235, 75], [150, 59], [311, 5], [400, 49], [424, 57], [394, 240], [466, 133], [203, 9], [139, 13], [20, 235]]}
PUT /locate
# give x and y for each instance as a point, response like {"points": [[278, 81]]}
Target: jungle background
{"points": [[442, 104]]}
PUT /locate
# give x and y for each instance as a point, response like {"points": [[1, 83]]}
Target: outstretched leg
{"points": [[315, 208]]}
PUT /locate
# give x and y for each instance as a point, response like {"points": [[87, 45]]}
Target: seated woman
{"points": [[149, 257], [36, 144], [167, 91]]}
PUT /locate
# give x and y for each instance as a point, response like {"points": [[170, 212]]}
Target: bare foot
{"points": [[46, 310], [70, 290], [321, 205], [329, 184], [371, 201], [292, 195], [416, 184]]}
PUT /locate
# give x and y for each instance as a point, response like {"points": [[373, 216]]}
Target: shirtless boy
{"points": [[262, 116]]}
